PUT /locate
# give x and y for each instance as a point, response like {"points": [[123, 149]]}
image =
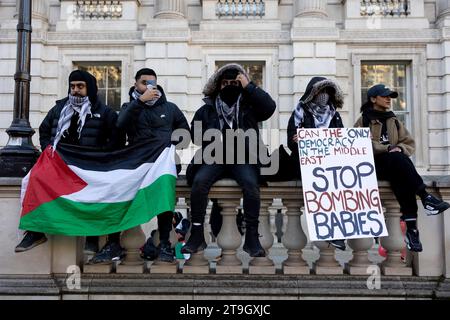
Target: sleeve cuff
{"points": [[250, 87]]}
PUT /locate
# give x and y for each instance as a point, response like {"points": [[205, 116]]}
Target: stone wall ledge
{"points": [[429, 180], [182, 286]]}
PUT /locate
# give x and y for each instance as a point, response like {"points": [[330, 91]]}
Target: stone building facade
{"points": [[283, 43]]}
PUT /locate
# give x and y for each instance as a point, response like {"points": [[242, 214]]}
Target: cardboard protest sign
{"points": [[339, 182]]}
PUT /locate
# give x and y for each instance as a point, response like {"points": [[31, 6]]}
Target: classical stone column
{"points": [[169, 9], [326, 264], [132, 240], [197, 263], [312, 8], [394, 243], [360, 262], [39, 11], [443, 8], [263, 265], [229, 238], [294, 239]]}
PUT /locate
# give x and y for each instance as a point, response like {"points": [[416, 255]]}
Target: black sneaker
{"points": [[433, 205], [30, 240], [166, 253], [110, 252], [196, 241], [412, 240], [340, 244], [149, 251]]}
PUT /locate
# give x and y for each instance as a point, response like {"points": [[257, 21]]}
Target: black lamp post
{"points": [[19, 154]]}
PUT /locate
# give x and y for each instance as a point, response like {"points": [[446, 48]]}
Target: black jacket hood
{"points": [[212, 87], [318, 83]]}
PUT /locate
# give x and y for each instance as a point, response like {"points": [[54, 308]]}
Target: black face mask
{"points": [[230, 94]]}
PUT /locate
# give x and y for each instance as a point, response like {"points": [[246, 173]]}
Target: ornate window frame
{"points": [[417, 88]]}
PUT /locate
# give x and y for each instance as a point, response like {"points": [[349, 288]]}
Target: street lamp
{"points": [[19, 154]]}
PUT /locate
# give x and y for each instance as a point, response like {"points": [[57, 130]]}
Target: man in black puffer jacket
{"points": [[148, 116], [232, 102], [79, 119], [99, 126]]}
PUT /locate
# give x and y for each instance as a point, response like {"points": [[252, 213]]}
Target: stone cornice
{"points": [[94, 37], [314, 34], [56, 38], [232, 37], [166, 35], [10, 35], [387, 35]]}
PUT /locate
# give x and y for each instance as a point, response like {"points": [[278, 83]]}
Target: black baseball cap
{"points": [[382, 91]]}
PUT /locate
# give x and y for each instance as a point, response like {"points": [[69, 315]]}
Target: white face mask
{"points": [[321, 98]]}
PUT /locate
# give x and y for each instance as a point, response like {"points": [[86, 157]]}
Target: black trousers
{"points": [[164, 225], [406, 183], [246, 175]]}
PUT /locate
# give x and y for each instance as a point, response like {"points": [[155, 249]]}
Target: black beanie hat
{"points": [[91, 83]]}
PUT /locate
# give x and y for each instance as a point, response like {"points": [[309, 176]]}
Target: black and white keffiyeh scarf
{"points": [[320, 108], [227, 113], [80, 105]]}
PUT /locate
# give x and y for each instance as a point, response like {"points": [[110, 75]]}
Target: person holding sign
{"points": [[317, 108], [392, 147]]}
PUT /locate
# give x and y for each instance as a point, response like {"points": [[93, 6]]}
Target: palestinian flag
{"points": [[79, 191]]}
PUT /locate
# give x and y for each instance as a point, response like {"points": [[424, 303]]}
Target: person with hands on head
{"points": [[232, 103]]}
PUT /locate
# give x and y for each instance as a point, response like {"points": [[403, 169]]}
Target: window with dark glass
{"points": [[255, 69], [108, 75], [395, 76]]}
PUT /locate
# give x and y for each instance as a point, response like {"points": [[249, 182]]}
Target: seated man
{"points": [[231, 102], [79, 119]]}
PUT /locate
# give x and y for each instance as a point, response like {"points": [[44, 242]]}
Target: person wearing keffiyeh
{"points": [[79, 119], [232, 102], [317, 108], [149, 116]]}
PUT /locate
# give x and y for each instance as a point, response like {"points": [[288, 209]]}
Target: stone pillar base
{"points": [[164, 267], [261, 269], [356, 270], [196, 269], [296, 270], [396, 271], [228, 269], [327, 270], [123, 268], [97, 268]]}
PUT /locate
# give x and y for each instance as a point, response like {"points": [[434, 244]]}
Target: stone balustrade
{"points": [[290, 257]]}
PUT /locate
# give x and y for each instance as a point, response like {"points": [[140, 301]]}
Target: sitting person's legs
{"points": [[406, 183], [205, 177], [164, 227], [30, 240], [247, 177]]}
